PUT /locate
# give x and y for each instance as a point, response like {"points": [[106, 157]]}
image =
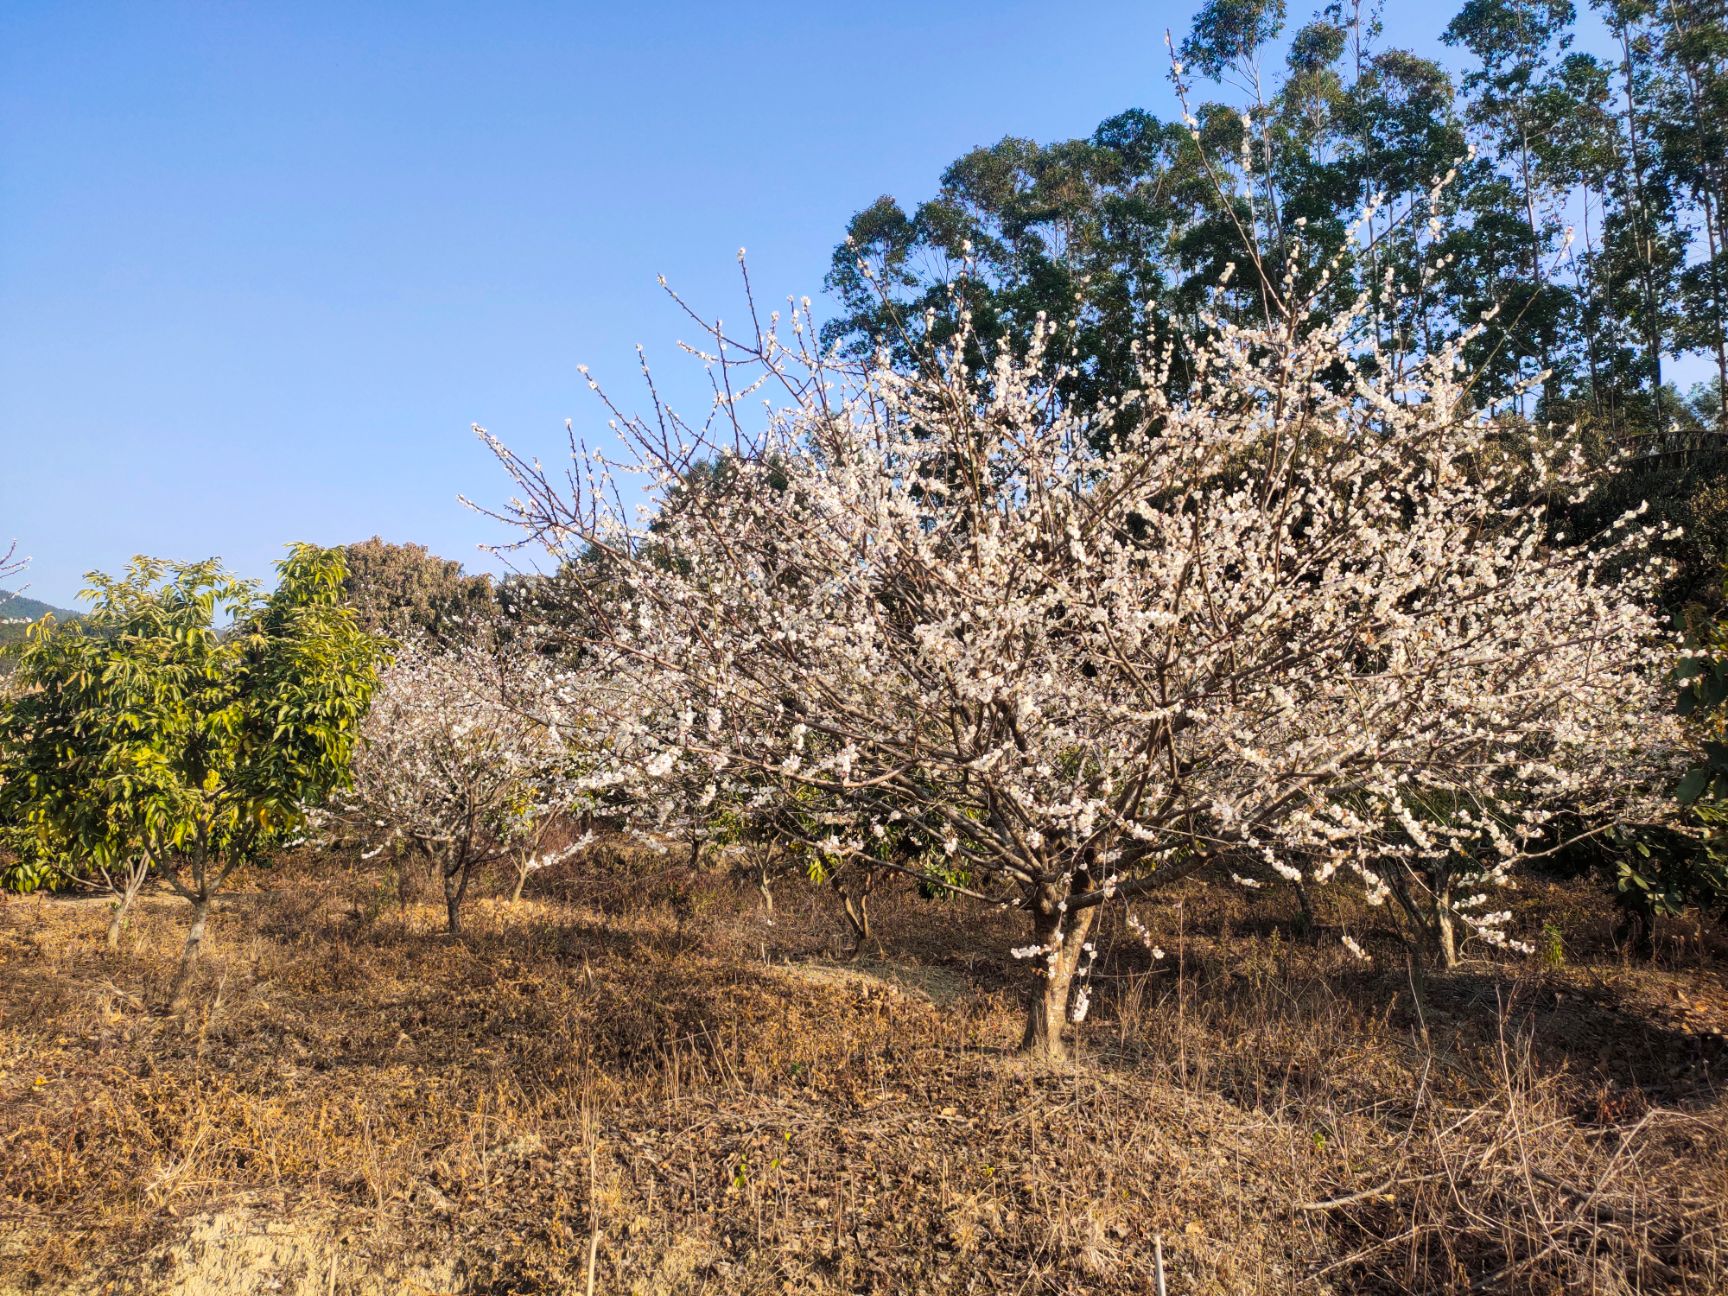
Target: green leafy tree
{"points": [[149, 735], [1586, 235], [1515, 102], [405, 590], [1703, 679]]}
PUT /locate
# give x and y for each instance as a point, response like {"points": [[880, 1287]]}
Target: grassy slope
{"points": [[635, 1067]]}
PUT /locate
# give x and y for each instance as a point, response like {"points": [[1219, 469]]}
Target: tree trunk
{"points": [[1636, 927], [1646, 231], [1445, 934], [124, 895], [1427, 930], [177, 995], [1053, 973], [857, 911], [455, 885], [521, 881]]}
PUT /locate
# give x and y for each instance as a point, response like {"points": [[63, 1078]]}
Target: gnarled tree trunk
{"points": [[765, 885], [1061, 936], [455, 887], [1445, 933], [855, 904]]}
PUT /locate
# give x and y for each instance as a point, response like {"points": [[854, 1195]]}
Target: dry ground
{"points": [[631, 1083]]}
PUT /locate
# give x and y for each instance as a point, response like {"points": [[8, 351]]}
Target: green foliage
{"points": [[1127, 230], [16, 614], [1668, 869], [147, 729], [28, 863], [1702, 677], [404, 589], [1551, 948]]}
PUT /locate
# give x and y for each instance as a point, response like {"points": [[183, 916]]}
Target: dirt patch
{"points": [[251, 1250]]}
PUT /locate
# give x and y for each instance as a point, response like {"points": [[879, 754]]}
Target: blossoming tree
{"points": [[460, 757], [1089, 654]]}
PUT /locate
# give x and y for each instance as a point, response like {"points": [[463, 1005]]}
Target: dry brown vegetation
{"points": [[631, 1083]]}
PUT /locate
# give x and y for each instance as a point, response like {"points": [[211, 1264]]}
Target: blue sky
{"points": [[262, 265]]}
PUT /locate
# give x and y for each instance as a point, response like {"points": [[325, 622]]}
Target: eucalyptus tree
{"points": [[188, 722], [1691, 134], [1583, 220], [1514, 103]]}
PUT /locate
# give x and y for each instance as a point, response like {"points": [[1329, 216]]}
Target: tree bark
{"points": [[453, 887], [1445, 933], [124, 895], [1053, 973], [855, 904], [765, 884], [178, 994]]}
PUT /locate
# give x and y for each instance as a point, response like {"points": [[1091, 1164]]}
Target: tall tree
{"points": [[1514, 106], [404, 589], [1691, 135]]}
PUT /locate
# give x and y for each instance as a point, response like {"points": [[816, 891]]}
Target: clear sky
{"points": [[262, 264]]}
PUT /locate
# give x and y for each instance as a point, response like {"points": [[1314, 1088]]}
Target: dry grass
{"points": [[647, 1087]]}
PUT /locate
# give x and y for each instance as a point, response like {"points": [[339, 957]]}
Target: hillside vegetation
{"points": [[17, 612]]}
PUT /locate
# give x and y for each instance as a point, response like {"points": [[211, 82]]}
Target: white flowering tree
{"points": [[781, 829], [461, 759], [1089, 655]]}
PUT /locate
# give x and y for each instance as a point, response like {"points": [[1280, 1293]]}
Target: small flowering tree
{"points": [[460, 759], [1085, 654]]}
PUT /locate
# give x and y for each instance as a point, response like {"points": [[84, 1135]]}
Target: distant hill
{"points": [[17, 611], [14, 606]]}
